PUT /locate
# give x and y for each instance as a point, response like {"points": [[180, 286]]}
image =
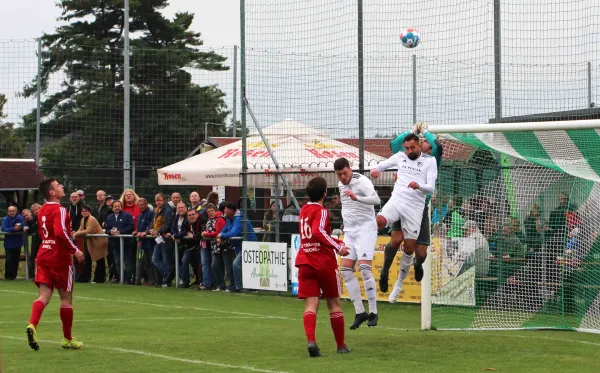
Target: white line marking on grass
{"points": [[160, 356], [165, 306], [144, 318], [528, 337]]}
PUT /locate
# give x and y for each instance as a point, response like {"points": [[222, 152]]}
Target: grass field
{"points": [[142, 329]]}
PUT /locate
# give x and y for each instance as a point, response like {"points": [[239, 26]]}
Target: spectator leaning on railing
{"points": [[145, 245], [234, 228], [180, 227], [35, 238], [222, 254], [12, 224], [162, 256], [189, 244], [119, 223], [94, 248]]}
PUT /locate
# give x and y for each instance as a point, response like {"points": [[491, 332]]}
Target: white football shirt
{"points": [[359, 214], [422, 170]]}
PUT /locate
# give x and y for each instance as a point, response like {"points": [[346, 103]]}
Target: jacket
{"points": [[75, 214], [13, 241], [143, 225], [234, 228], [134, 211], [100, 213], [162, 220], [180, 231], [97, 246], [123, 223]]}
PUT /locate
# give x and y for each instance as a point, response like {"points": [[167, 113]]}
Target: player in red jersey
{"points": [[318, 268], [54, 264]]}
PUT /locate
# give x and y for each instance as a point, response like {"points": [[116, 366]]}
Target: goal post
{"points": [[515, 228]]}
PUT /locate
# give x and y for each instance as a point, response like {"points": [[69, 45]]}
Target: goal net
{"points": [[515, 223]]}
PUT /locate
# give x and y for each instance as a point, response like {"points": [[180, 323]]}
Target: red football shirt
{"points": [[317, 248], [54, 227]]}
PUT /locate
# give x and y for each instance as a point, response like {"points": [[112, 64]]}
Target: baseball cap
{"points": [[109, 197], [80, 192]]}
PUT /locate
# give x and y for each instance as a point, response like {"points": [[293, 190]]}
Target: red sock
{"points": [[36, 312], [310, 324], [337, 325], [66, 316]]}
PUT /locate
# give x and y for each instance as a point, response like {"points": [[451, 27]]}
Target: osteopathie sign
{"points": [[264, 266], [295, 248]]}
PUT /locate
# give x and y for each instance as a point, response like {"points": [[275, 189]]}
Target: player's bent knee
{"points": [[347, 273], [365, 272], [333, 304], [410, 246], [381, 222]]}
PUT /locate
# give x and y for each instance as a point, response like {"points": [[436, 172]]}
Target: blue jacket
{"points": [[144, 224], [124, 224], [13, 241], [234, 228]]}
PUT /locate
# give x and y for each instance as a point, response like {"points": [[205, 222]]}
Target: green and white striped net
{"points": [[522, 250]]}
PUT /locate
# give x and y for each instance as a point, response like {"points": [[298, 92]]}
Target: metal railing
{"points": [[121, 238]]}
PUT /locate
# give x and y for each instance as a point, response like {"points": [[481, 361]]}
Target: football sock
{"points": [[405, 264], [36, 312], [353, 289], [370, 287], [66, 316], [337, 325], [310, 324]]}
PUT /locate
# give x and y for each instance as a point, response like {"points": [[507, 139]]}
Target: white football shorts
{"points": [[410, 217], [361, 244]]}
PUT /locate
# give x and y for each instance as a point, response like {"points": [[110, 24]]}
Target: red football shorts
{"points": [[318, 282], [59, 278]]}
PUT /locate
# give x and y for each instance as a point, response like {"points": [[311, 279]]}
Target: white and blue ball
{"points": [[410, 37]]}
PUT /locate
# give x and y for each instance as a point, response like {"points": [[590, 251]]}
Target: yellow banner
{"points": [[411, 291]]}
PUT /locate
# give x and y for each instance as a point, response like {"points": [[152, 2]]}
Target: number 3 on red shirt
{"points": [[44, 229], [305, 229]]}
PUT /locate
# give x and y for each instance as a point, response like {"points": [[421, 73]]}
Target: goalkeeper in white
{"points": [[360, 235], [417, 174]]}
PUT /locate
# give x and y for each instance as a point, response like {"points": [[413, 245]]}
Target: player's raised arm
{"points": [[370, 196], [60, 224], [429, 186], [320, 233]]}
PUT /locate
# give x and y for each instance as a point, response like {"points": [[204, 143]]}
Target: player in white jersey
{"points": [[360, 235], [417, 174]]}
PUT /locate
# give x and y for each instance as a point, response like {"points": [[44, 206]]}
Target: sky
{"points": [[301, 59]]}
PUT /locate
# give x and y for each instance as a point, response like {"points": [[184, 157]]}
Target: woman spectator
{"points": [[94, 248], [222, 254], [129, 201], [269, 221], [162, 256]]}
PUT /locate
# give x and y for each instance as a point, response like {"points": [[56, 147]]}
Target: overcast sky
{"points": [[302, 63]]}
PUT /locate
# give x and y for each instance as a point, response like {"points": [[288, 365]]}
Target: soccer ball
{"points": [[410, 37]]}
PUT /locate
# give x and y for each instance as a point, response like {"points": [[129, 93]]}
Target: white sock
{"points": [[353, 289], [405, 264], [370, 287]]}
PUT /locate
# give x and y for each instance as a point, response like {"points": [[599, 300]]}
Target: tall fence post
{"points": [[126, 102], [414, 88], [589, 84], [361, 98], [243, 113], [121, 257], [39, 102], [133, 175], [26, 247], [177, 264], [277, 210], [497, 63], [233, 130]]}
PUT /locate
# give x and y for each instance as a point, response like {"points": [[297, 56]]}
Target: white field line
{"points": [[160, 356], [76, 321]]}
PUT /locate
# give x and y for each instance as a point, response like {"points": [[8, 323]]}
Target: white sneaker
{"points": [[394, 295]]}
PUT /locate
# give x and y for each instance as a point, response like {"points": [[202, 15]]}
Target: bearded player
{"points": [[431, 146], [54, 264], [317, 267], [417, 174], [360, 236]]}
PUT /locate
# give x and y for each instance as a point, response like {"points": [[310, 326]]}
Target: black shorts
{"points": [[424, 232]]}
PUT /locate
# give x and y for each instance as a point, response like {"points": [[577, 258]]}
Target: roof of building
{"points": [[19, 174]]}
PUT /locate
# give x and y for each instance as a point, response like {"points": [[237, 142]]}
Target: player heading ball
{"points": [[317, 267]]}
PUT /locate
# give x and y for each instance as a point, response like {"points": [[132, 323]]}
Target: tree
{"points": [[12, 144], [84, 116]]}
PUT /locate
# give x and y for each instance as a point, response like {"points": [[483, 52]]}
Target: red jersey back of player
{"points": [[317, 247], [54, 228]]}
